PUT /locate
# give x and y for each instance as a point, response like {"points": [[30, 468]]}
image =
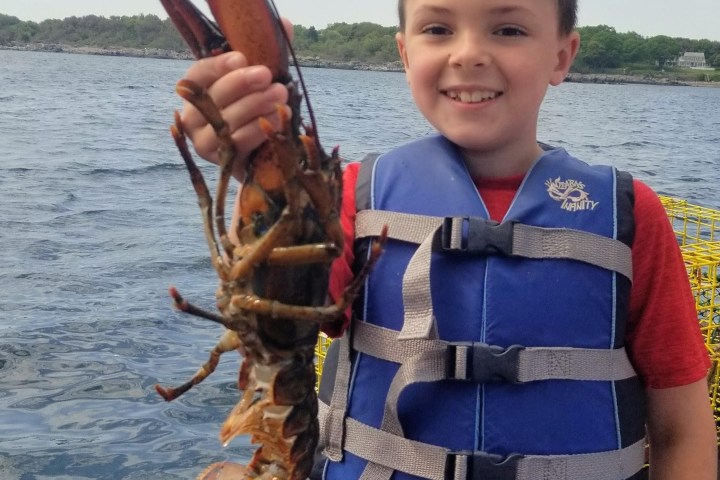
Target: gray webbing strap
{"points": [[430, 461], [383, 343], [332, 421], [574, 364], [528, 241], [534, 363], [610, 465], [425, 367], [608, 253], [419, 319], [405, 226], [421, 459]]}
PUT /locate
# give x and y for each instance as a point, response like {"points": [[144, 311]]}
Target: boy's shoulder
{"points": [[648, 208]]}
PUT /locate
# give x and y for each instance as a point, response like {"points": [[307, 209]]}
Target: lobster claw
{"points": [[252, 27], [202, 35]]}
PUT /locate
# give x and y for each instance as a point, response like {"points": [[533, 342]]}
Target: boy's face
{"points": [[479, 69]]}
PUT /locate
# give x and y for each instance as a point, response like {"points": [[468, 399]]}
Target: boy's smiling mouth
{"points": [[471, 96]]}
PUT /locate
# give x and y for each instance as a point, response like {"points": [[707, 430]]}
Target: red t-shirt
{"points": [[663, 336]]}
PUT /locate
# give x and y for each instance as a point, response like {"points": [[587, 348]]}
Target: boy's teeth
{"points": [[471, 97]]}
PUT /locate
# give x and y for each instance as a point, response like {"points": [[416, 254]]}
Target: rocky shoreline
{"points": [[316, 62], [609, 79], [110, 51], [620, 79]]}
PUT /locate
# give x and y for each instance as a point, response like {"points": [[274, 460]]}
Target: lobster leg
{"points": [[228, 342], [271, 308], [204, 199], [227, 152], [187, 307], [304, 254]]}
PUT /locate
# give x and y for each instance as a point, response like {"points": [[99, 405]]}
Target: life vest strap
{"points": [[437, 463], [480, 236], [332, 422], [479, 362], [436, 360]]}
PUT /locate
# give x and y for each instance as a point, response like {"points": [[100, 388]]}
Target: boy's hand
{"points": [[243, 93]]}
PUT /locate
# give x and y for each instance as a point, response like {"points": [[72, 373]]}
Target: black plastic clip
{"points": [[485, 363], [482, 466], [478, 236]]}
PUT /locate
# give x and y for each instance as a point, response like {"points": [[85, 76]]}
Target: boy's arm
{"points": [[681, 429], [668, 350]]}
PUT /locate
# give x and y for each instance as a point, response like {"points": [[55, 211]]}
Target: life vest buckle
{"points": [[481, 466], [483, 363], [476, 235]]}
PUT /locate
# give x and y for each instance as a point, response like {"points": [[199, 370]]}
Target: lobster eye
{"points": [[260, 225]]}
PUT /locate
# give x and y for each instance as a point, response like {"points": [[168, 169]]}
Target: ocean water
{"points": [[98, 218]]}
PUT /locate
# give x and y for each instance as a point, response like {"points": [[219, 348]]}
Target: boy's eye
{"points": [[436, 30], [510, 32]]}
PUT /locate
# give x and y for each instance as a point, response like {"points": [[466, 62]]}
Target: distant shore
{"points": [[111, 51], [316, 62], [610, 79]]}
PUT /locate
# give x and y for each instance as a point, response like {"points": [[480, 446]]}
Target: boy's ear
{"points": [[568, 49], [400, 42]]}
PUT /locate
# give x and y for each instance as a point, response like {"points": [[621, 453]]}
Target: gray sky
{"points": [[688, 18]]}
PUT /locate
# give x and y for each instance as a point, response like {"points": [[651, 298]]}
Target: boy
{"points": [[478, 71]]}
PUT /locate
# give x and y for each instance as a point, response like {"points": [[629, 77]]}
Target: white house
{"points": [[692, 60]]}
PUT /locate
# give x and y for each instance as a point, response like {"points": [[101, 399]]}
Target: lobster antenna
{"points": [[311, 114]]}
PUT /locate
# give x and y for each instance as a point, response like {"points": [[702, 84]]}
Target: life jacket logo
{"points": [[571, 194]]}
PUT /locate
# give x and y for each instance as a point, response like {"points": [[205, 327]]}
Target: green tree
{"points": [[24, 31], [7, 20], [601, 47], [633, 48], [708, 47], [595, 54], [715, 61], [7, 31], [312, 35], [661, 49]]}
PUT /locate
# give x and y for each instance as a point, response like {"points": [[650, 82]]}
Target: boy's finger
{"points": [[255, 105], [207, 70], [240, 83], [232, 88]]}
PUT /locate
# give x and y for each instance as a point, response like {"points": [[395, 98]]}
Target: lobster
{"points": [[273, 273]]}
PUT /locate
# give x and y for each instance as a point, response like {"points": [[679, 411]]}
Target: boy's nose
{"points": [[469, 51]]}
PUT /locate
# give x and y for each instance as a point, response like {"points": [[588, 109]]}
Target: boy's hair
{"points": [[567, 10]]}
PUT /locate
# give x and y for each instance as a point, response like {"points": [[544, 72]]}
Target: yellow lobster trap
{"points": [[698, 232]]}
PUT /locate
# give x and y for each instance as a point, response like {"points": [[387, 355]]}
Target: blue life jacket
{"points": [[489, 297]]}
